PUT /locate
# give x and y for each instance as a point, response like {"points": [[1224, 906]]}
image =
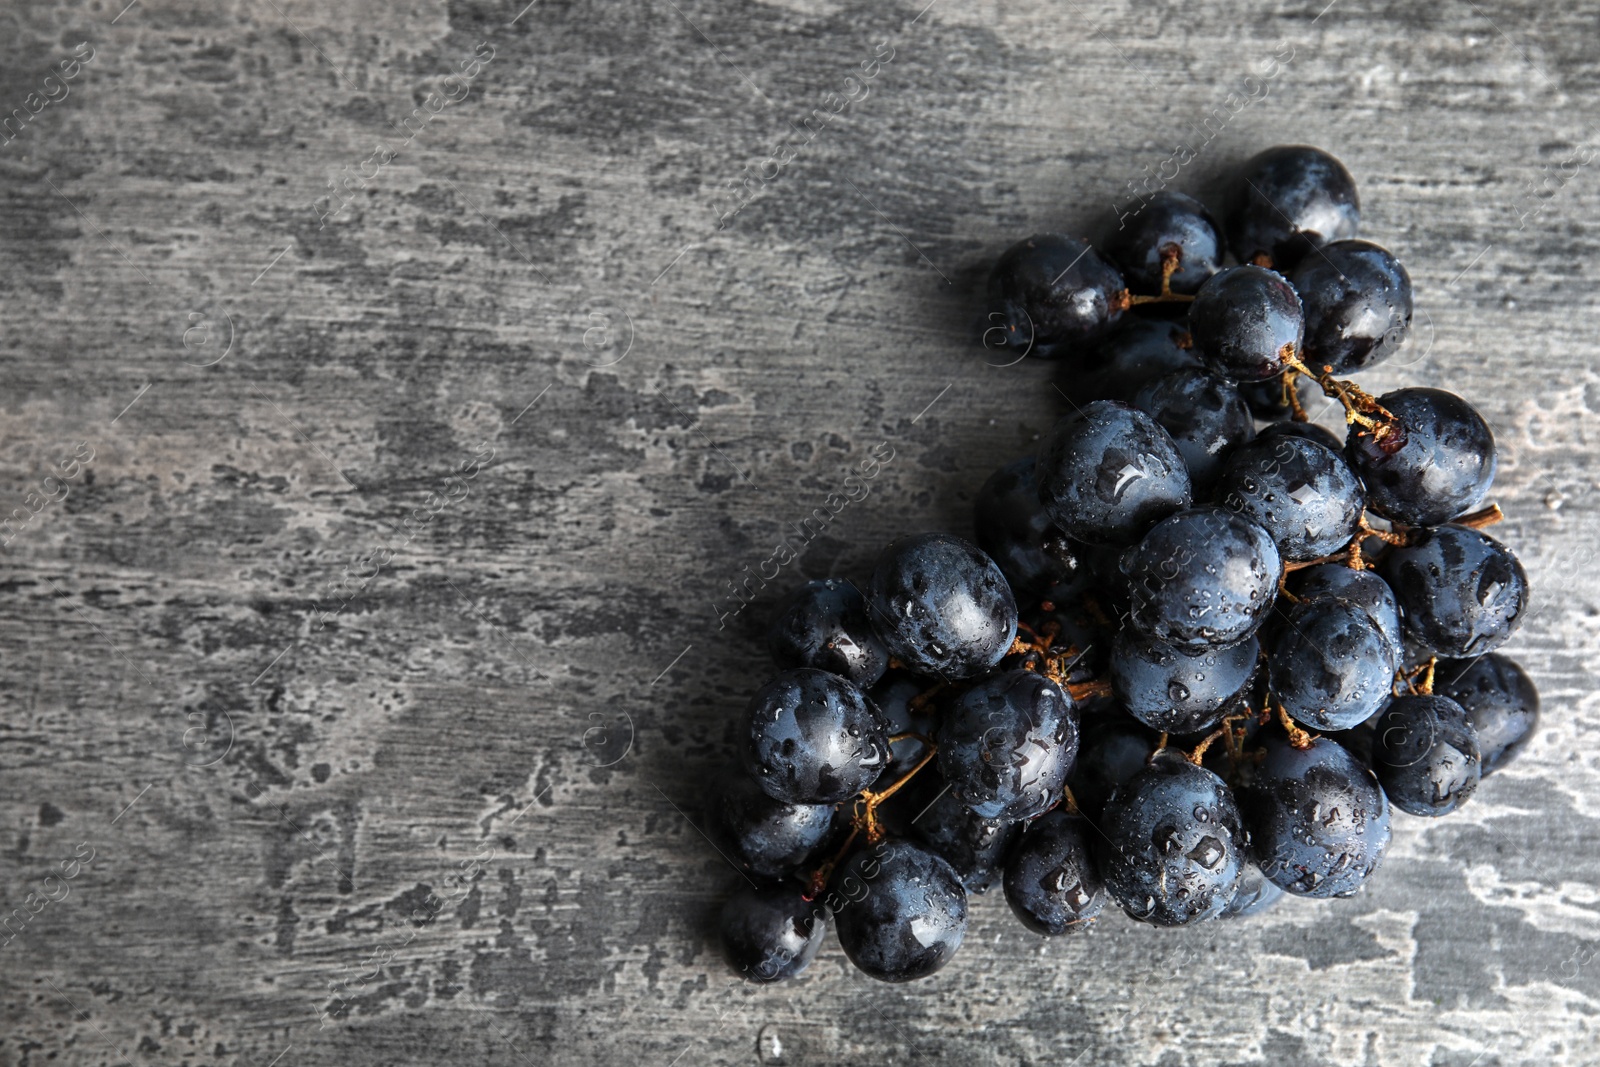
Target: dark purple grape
{"points": [[1113, 750], [1246, 322], [1357, 299], [771, 932], [1202, 579], [1007, 745], [1303, 494], [1012, 528], [974, 846], [1289, 200], [1425, 753], [813, 738], [1108, 472], [1499, 698], [899, 910], [1357, 740], [1179, 692], [1266, 400], [1444, 468], [1103, 601], [1051, 881], [1331, 667], [1255, 894], [941, 606], [1139, 350], [1167, 220], [1309, 431], [1361, 587], [1173, 846], [1053, 294], [1319, 824], [1205, 417], [762, 836], [1461, 592], [823, 624]]}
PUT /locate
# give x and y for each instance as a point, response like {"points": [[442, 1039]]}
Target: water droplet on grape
{"points": [[1209, 853]]}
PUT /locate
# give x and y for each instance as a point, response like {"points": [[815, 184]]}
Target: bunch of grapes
{"points": [[1189, 664]]}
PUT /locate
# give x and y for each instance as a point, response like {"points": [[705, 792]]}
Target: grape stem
{"points": [[1477, 520], [1200, 750], [1353, 557], [1291, 397], [1403, 535], [1388, 537], [1069, 803], [1056, 662], [864, 814], [1035, 641], [1360, 408], [1236, 736], [1161, 746], [1298, 737], [874, 799], [1081, 691], [819, 878], [1418, 680], [1171, 257]]}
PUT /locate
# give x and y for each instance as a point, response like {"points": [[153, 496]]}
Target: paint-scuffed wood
{"points": [[396, 393]]}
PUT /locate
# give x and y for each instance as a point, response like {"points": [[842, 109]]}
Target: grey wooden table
{"points": [[394, 393]]}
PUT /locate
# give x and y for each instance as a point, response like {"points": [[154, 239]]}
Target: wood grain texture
{"points": [[285, 667]]}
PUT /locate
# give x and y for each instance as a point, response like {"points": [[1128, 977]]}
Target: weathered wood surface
{"points": [[410, 512]]}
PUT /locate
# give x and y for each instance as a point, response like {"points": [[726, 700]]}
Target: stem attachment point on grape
{"points": [[1298, 737], [1171, 258], [1200, 750]]}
